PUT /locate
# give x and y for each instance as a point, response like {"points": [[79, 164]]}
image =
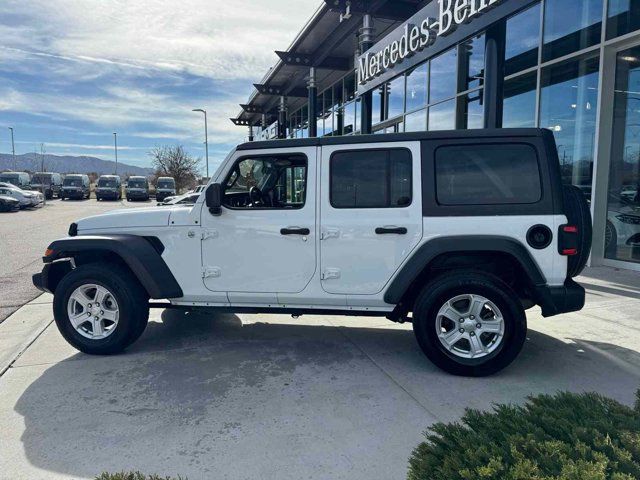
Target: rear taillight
{"points": [[568, 240]]}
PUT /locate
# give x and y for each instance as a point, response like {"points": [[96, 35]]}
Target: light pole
{"points": [[206, 137], [13, 150], [115, 146]]}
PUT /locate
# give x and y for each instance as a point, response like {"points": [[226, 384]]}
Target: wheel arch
{"points": [[142, 256], [492, 254]]}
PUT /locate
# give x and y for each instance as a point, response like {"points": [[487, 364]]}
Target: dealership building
{"points": [[383, 66]]}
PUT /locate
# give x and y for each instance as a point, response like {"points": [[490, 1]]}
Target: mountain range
{"points": [[31, 162]]}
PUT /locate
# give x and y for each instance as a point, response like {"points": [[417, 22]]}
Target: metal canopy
{"points": [[326, 43]]}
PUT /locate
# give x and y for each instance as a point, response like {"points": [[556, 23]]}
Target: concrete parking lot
{"points": [[23, 237], [250, 396]]}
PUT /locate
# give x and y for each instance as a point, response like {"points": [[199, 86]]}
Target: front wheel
{"points": [[100, 309], [469, 323]]}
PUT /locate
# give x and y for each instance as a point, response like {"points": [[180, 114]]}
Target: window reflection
{"points": [[417, 88], [443, 116], [416, 121], [622, 233], [519, 110], [442, 83], [472, 112], [523, 38], [395, 98], [376, 106], [570, 25], [568, 107], [472, 63], [623, 17]]}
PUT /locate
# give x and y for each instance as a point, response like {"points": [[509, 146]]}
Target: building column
{"points": [[366, 100], [250, 132], [313, 99], [494, 75], [282, 117]]}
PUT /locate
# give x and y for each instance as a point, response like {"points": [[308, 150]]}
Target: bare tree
{"points": [[174, 161]]}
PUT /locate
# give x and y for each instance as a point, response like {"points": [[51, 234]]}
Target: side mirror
{"points": [[214, 198]]}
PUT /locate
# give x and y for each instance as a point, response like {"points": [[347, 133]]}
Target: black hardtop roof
{"points": [[396, 137]]}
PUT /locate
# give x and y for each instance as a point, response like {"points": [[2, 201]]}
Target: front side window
{"points": [[487, 175], [267, 182], [371, 179]]}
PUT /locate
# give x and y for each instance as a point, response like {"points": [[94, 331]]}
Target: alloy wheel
{"points": [[470, 326], [93, 311]]}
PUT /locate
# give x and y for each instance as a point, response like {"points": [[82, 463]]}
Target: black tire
{"points": [[132, 300], [447, 286], [578, 213]]}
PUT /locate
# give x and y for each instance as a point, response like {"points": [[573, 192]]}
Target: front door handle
{"points": [[294, 231], [391, 231]]}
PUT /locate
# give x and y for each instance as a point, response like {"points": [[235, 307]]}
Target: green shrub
{"points": [[133, 476], [561, 437]]}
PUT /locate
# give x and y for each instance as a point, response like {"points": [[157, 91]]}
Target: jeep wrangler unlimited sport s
{"points": [[458, 232]]}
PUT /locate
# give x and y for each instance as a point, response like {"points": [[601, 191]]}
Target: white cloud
{"points": [[219, 39], [140, 44]]}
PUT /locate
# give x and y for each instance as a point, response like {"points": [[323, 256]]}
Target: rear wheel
{"points": [[100, 309], [469, 323]]}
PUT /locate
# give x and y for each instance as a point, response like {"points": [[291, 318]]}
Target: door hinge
{"points": [[329, 273], [209, 234], [211, 272], [329, 233]]}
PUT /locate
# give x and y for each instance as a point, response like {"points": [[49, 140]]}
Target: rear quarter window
{"points": [[487, 174]]}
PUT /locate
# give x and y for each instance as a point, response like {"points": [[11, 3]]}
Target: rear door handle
{"points": [[294, 231], [391, 231]]}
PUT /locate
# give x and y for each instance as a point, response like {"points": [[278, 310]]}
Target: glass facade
{"points": [[622, 233], [553, 50]]}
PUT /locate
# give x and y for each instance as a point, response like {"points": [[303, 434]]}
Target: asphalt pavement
{"points": [[24, 236]]}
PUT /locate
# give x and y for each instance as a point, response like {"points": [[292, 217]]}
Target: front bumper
{"points": [[160, 196], [556, 300], [107, 194], [48, 279], [135, 194], [73, 193]]}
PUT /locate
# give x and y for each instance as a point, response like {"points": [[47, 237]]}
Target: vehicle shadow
{"points": [[211, 397]]}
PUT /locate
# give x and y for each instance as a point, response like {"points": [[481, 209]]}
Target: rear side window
{"points": [[487, 175], [371, 179]]}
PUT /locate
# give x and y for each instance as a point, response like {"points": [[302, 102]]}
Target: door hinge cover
{"points": [[330, 273], [211, 272], [329, 233], [209, 234]]}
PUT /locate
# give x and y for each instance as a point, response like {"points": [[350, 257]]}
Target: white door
{"points": [[370, 214], [264, 240]]}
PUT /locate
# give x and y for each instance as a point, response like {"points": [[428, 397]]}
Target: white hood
{"points": [[127, 218]]}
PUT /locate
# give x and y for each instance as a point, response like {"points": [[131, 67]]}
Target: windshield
{"points": [[137, 184], [73, 182], [107, 182], [9, 178], [41, 179], [166, 184]]}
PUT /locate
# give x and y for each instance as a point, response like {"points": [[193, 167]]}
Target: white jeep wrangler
{"points": [[457, 232]]}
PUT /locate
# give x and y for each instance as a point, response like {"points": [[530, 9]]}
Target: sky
{"points": [[72, 72]]}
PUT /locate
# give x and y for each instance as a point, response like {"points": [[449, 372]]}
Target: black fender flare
{"points": [[427, 252], [142, 255]]}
